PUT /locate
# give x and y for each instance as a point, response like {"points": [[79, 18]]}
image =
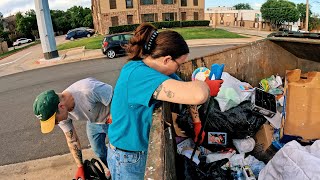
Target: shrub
{"points": [[158, 25]]}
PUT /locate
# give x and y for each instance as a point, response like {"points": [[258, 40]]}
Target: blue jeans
{"points": [[126, 165], [97, 134]]}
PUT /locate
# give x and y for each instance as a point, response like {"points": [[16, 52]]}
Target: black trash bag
{"points": [[184, 121], [238, 122], [189, 170]]}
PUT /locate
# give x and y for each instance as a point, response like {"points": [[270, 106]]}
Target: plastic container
{"points": [[216, 71]]}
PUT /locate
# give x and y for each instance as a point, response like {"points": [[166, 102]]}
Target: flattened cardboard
{"points": [[302, 105]]}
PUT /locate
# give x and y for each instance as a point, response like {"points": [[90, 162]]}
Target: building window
{"points": [[196, 16], [195, 2], [183, 16], [114, 21], [147, 2], [167, 2], [184, 3], [130, 19], [129, 4], [168, 16], [148, 17], [113, 4]]}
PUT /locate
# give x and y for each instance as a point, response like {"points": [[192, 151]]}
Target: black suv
{"points": [[113, 45]]}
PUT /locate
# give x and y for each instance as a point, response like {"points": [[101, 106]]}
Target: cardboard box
{"points": [[264, 137], [263, 150], [302, 106]]}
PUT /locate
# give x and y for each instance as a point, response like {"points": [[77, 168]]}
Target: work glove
{"points": [[197, 128], [109, 119], [214, 86], [80, 173]]}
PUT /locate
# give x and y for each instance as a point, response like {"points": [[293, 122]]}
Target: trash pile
{"points": [[253, 132]]}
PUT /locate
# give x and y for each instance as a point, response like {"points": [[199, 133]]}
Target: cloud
{"points": [[257, 5], [10, 7]]}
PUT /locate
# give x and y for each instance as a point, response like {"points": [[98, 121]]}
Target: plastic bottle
{"points": [[216, 71]]}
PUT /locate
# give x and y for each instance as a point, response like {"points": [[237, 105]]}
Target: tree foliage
{"points": [[302, 8], [314, 22], [242, 6], [1, 22], [62, 21], [279, 11], [74, 17]]}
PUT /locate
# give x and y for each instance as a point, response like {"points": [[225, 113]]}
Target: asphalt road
{"points": [[20, 136]]}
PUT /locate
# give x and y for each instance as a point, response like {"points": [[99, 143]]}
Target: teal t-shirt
{"points": [[132, 106]]}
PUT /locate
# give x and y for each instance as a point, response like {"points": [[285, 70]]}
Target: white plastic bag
{"points": [[231, 93]]}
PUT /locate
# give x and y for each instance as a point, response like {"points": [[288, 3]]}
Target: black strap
{"points": [[100, 173]]}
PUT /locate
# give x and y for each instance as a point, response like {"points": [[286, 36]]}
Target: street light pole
{"points": [[46, 33], [307, 15]]}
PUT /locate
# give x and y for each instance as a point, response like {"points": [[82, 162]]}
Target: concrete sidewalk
{"points": [[63, 166], [52, 168], [245, 31]]}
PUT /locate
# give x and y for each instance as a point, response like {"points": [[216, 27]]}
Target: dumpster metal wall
{"points": [[251, 63], [254, 61]]}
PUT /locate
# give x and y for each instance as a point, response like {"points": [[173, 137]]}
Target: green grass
{"points": [[89, 43], [187, 33], [16, 50], [205, 33]]}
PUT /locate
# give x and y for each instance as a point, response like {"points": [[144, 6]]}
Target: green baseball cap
{"points": [[45, 107]]}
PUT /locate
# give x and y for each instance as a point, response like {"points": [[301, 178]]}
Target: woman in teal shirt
{"points": [[147, 77]]}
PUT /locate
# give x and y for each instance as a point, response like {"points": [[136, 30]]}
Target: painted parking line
{"points": [[16, 59]]}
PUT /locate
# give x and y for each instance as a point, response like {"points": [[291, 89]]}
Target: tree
{"points": [[314, 23], [76, 16], [60, 21], [302, 11], [27, 24], [1, 22], [279, 11], [242, 6]]}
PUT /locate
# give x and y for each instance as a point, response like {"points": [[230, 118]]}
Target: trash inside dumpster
{"points": [[268, 105]]}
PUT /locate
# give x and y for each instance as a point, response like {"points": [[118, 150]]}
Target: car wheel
{"points": [[71, 38], [88, 35], [111, 53]]}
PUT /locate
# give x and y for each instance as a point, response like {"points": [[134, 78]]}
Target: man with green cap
{"points": [[86, 100]]}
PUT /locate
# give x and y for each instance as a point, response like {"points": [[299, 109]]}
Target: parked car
{"points": [[78, 33], [84, 29], [113, 45], [20, 41]]}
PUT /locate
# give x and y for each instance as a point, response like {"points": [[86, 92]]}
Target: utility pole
{"points": [[44, 22], [307, 16]]}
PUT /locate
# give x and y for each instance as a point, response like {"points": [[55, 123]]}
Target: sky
{"points": [[10, 7]]}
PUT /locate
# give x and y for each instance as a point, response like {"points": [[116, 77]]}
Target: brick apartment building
{"points": [[229, 16], [107, 13]]}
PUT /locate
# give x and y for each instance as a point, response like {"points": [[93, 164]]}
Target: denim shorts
{"points": [[126, 165]]}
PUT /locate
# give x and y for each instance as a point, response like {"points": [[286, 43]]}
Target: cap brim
{"points": [[48, 125]]}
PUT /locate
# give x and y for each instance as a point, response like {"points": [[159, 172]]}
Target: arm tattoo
{"points": [[157, 92], [74, 146], [169, 93]]}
